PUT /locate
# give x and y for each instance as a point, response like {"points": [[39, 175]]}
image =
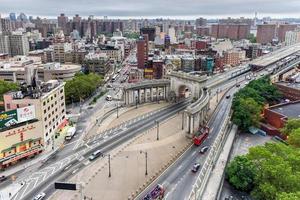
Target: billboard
{"points": [[13, 117]]}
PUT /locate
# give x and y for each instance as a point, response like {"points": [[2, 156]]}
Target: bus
{"points": [[201, 136]]}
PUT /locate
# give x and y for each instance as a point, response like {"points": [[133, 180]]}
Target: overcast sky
{"points": [[154, 8]]}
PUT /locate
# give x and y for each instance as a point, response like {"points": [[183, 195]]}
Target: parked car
{"points": [[204, 149], [196, 167], [2, 178], [95, 155], [40, 196], [228, 96], [237, 85]]}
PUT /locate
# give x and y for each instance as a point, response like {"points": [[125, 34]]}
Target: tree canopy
{"points": [[240, 173], [81, 86], [273, 169], [248, 103], [6, 87]]}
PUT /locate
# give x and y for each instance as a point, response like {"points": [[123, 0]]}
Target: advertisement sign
{"points": [[13, 117], [26, 114]]}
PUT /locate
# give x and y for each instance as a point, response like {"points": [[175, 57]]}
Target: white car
{"points": [[40, 196], [109, 98]]}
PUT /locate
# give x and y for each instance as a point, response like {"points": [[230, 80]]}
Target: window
{"points": [[46, 126], [48, 107], [44, 103], [62, 97], [18, 106], [45, 111], [51, 98], [62, 104], [45, 119], [55, 102], [61, 91], [63, 111], [8, 106], [53, 119], [46, 134], [56, 116], [52, 112], [55, 95], [52, 105]]}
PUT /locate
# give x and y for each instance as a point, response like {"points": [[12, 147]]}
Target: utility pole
{"points": [[146, 159], [182, 121], [118, 110], [109, 172], [157, 132]]}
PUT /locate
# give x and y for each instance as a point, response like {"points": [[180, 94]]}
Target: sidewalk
{"points": [[128, 164], [216, 177]]}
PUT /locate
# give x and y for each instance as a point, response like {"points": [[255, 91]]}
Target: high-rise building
{"points": [[283, 28], [12, 16], [292, 37], [62, 21], [4, 44], [19, 44], [201, 22], [172, 34], [150, 31], [231, 31], [142, 51], [5, 25], [266, 33]]}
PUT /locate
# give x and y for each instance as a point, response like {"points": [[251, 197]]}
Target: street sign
{"points": [[65, 186]]}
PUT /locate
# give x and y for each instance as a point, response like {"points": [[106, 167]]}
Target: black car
{"points": [[228, 96], [237, 85], [2, 178]]}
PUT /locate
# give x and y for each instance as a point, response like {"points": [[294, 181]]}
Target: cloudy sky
{"points": [[154, 8]]}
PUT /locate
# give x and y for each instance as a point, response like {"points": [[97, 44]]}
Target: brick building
{"points": [[290, 91], [266, 33]]}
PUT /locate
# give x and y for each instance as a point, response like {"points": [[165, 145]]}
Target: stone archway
{"points": [[184, 91]]}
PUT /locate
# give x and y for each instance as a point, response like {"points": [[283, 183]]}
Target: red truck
{"points": [[157, 193], [201, 135]]}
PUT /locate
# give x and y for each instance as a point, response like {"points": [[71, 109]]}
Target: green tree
{"points": [[240, 173], [277, 170], [288, 196], [294, 138], [246, 113], [251, 38], [6, 87], [290, 125], [81, 86]]}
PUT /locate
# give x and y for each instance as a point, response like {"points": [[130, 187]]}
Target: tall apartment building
{"points": [[150, 31], [4, 44], [142, 51], [283, 28], [231, 31], [19, 44], [201, 22], [266, 33], [292, 37], [5, 25], [62, 21]]}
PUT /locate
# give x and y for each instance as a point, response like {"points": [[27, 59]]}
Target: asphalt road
{"points": [[39, 180], [178, 179]]}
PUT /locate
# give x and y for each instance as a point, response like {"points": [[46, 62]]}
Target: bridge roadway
{"points": [[178, 178], [62, 166]]}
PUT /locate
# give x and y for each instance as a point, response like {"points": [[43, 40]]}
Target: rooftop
{"points": [[291, 85], [290, 110]]}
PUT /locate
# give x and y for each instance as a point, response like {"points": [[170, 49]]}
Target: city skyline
{"points": [[189, 9]]}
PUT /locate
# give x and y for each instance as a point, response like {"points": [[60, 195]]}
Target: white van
{"points": [[109, 98]]}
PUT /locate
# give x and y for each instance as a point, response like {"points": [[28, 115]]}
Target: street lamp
{"points": [[118, 110], [157, 129], [218, 95], [109, 172], [146, 158], [136, 101]]}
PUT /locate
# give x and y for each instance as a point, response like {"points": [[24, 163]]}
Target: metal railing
{"points": [[208, 166]]}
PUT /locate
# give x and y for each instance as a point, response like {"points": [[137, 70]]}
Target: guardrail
{"points": [[203, 176]]}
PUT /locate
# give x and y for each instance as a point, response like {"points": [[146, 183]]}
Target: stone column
{"points": [[191, 124], [157, 93]]}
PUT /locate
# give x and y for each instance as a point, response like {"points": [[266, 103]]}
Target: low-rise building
{"points": [[32, 121], [97, 63], [290, 91], [276, 117]]}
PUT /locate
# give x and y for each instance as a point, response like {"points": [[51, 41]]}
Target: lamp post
{"points": [[218, 95], [157, 129], [182, 120], [136, 101], [118, 110], [109, 172], [146, 158]]}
